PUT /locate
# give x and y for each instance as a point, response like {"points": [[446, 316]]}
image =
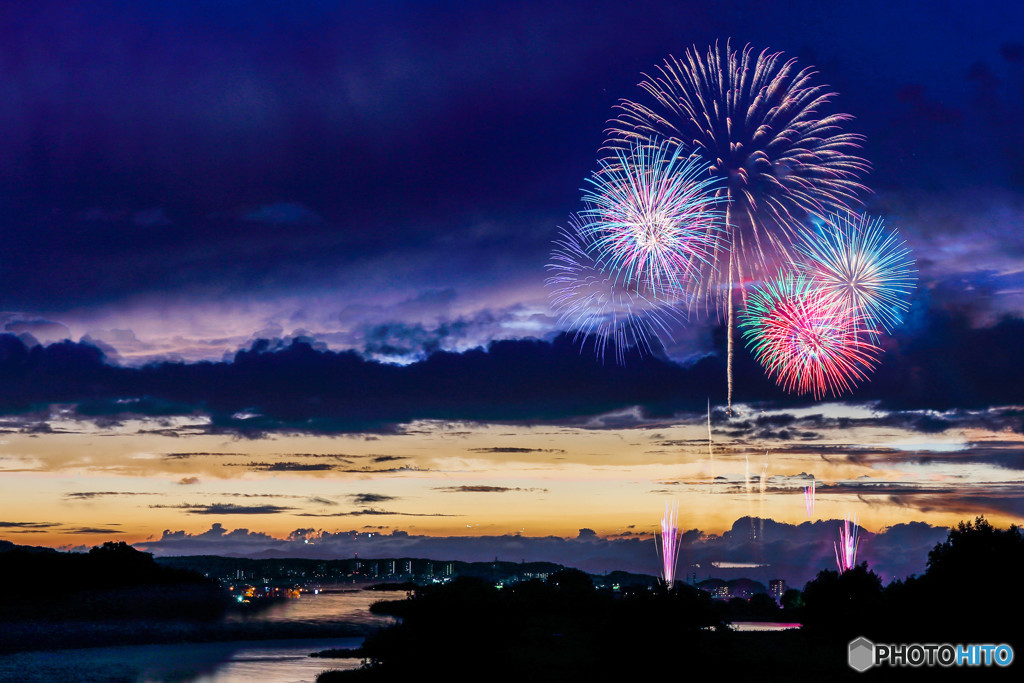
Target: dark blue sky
{"points": [[240, 150]]}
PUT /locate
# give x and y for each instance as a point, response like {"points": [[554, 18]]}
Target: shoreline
{"points": [[35, 636]]}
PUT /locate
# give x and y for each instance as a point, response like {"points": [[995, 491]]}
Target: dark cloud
{"points": [[90, 495], [369, 498], [227, 509], [514, 449], [289, 466], [952, 366], [373, 512], [93, 530], [28, 525], [485, 489], [1007, 500], [317, 500]]}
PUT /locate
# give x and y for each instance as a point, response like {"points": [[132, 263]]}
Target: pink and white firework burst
{"points": [[758, 122], [671, 538], [809, 499], [846, 548], [806, 339], [860, 262], [653, 216], [590, 298]]}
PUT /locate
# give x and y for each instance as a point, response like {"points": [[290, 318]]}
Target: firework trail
{"points": [[711, 453], [652, 213], [671, 537], [846, 548], [764, 475], [749, 488], [755, 120], [746, 474], [807, 340], [860, 262], [764, 488], [809, 499], [588, 297]]}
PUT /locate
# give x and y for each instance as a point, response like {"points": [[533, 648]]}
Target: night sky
{"points": [[273, 274]]}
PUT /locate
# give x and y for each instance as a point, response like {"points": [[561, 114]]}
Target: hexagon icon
{"points": [[862, 654]]}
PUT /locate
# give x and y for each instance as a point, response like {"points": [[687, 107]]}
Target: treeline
{"points": [[564, 629], [560, 628], [971, 592], [110, 581]]}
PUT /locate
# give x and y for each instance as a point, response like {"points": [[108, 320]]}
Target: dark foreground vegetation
{"points": [[564, 629], [112, 580], [116, 595]]}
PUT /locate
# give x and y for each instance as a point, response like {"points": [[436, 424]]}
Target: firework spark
{"points": [[671, 537], [809, 499], [859, 261], [807, 340], [590, 299], [652, 213], [846, 548], [756, 120]]}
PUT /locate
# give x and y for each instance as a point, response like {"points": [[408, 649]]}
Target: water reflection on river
{"points": [[277, 661]]}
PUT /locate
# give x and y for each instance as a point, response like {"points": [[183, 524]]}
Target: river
{"points": [[270, 661]]}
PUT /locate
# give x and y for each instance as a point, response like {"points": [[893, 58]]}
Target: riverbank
{"points": [[262, 661]]}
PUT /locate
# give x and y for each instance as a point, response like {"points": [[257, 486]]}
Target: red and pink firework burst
{"points": [[807, 340]]}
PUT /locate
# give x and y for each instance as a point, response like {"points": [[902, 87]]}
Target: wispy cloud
{"points": [[227, 509], [369, 498], [480, 488]]}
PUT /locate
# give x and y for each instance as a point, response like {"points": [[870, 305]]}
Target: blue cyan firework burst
{"points": [[869, 268], [654, 218]]}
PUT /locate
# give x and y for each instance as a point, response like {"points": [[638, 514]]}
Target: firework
{"points": [[846, 548], [671, 537], [590, 299], [859, 261], [756, 120], [807, 340], [652, 213], [809, 499]]}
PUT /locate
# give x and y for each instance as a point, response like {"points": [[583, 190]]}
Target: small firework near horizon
{"points": [[809, 499], [671, 538], [846, 548]]}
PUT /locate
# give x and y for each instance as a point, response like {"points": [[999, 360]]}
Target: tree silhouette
{"points": [[843, 604]]}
